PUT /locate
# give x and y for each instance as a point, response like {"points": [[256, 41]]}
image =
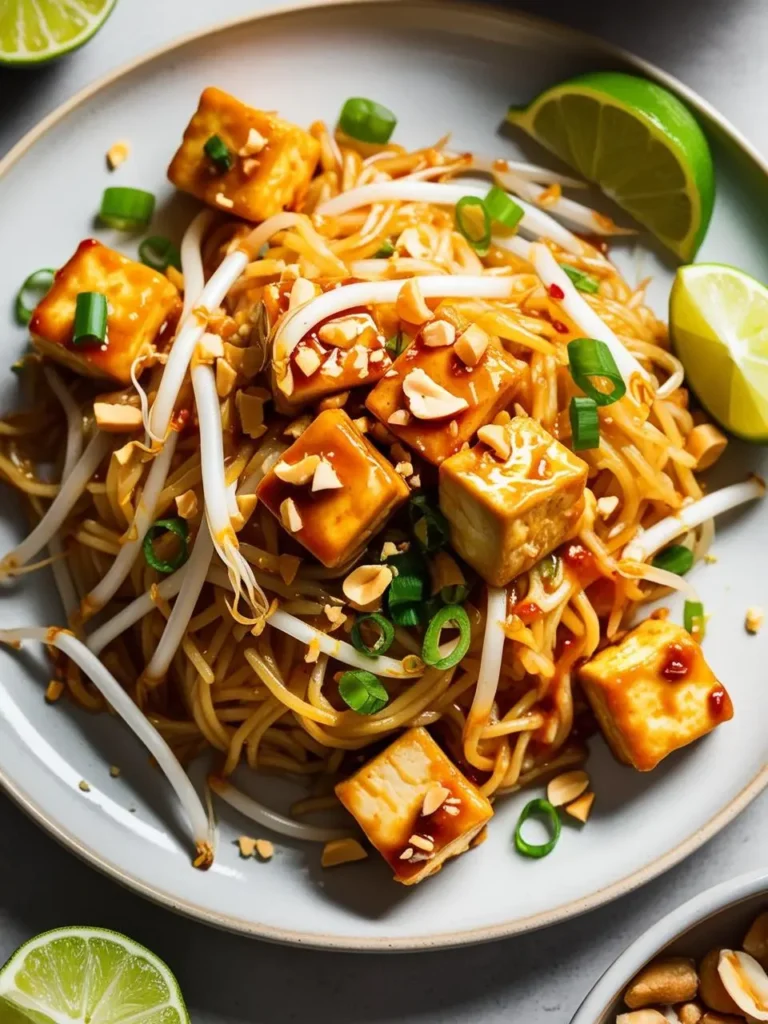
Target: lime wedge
{"points": [[88, 976], [638, 142], [35, 31], [718, 318]]}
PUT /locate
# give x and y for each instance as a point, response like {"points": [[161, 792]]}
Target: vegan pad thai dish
{"points": [[368, 482]]}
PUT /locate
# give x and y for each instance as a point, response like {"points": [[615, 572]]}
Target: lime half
{"points": [[639, 143], [34, 31], [88, 976], [718, 318]]}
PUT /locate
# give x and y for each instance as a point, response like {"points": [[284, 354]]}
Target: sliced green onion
{"points": [[410, 614], [404, 590], [430, 527], [585, 424], [539, 808], [584, 282], [363, 692], [90, 319], [385, 251], [430, 652], [457, 593], [676, 558], [481, 243], [590, 358], [159, 253], [693, 619], [548, 567], [367, 121], [502, 208], [127, 209], [385, 638], [179, 528], [34, 289], [397, 344], [219, 154]]}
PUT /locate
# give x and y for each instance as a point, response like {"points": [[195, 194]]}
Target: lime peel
{"points": [[34, 33]]}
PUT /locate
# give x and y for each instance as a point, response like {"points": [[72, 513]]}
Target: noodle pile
{"points": [[232, 681]]}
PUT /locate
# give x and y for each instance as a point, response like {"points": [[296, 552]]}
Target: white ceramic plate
{"points": [[719, 916], [441, 68]]}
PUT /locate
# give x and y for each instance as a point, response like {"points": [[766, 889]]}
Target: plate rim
{"points": [[442, 940]]}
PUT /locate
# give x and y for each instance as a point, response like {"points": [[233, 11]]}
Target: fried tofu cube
{"points": [[272, 161], [415, 806], [653, 693], [139, 302], [483, 390], [342, 496], [339, 353], [508, 506]]}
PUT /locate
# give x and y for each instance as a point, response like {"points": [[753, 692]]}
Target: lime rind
{"points": [[636, 140], [72, 975], [37, 32], [719, 328]]}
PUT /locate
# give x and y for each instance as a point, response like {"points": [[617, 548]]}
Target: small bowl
{"points": [[716, 917]]}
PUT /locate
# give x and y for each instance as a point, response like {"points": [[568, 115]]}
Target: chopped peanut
{"points": [[410, 305], [581, 808], [117, 154], [247, 846], [367, 583], [298, 473], [187, 505], [341, 851], [226, 378], [471, 345], [565, 788], [289, 516], [753, 621], [265, 849], [439, 333], [117, 419], [428, 400]]}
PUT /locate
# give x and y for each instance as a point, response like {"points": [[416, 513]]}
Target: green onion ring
{"points": [[159, 253], [588, 358], [480, 243], [126, 209], [503, 208], [676, 558], [542, 809], [363, 692], [430, 651], [39, 283], [179, 528], [585, 423], [384, 641]]}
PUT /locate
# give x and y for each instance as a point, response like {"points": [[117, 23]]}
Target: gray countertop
{"points": [[719, 49]]}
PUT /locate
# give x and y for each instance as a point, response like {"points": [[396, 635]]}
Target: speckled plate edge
{"points": [[613, 54]]}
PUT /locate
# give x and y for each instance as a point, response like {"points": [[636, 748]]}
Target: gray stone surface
{"points": [[716, 46]]}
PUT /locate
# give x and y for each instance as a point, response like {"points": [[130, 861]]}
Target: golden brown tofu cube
{"points": [[415, 806], [272, 161], [508, 508], [139, 301], [654, 693], [485, 389], [348, 505], [318, 368]]}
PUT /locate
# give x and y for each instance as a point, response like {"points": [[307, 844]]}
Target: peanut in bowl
{"points": [[706, 962]]}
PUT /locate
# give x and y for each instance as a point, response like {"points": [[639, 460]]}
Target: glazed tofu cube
{"points": [[654, 693], [510, 505], [415, 806], [139, 302], [341, 494], [481, 391], [339, 353], [272, 161]]}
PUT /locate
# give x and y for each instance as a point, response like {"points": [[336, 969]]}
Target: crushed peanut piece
{"points": [[414, 481], [344, 331], [289, 516], [367, 583], [114, 771], [117, 154], [253, 144], [422, 843], [341, 851], [753, 621], [471, 345], [407, 853], [247, 846], [83, 785], [265, 849], [565, 788], [453, 811], [399, 418], [117, 419], [497, 438], [410, 305], [325, 478], [582, 808], [250, 408], [335, 615], [404, 469], [297, 427], [307, 360], [226, 377], [210, 347], [607, 506], [710, 559], [438, 333], [298, 473], [434, 799], [302, 291], [224, 201], [427, 399], [388, 550], [187, 504]]}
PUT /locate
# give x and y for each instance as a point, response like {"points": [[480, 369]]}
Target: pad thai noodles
{"points": [[364, 484]]}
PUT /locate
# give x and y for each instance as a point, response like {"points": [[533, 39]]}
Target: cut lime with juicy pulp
{"points": [[718, 319], [33, 31], [639, 143], [88, 976]]}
